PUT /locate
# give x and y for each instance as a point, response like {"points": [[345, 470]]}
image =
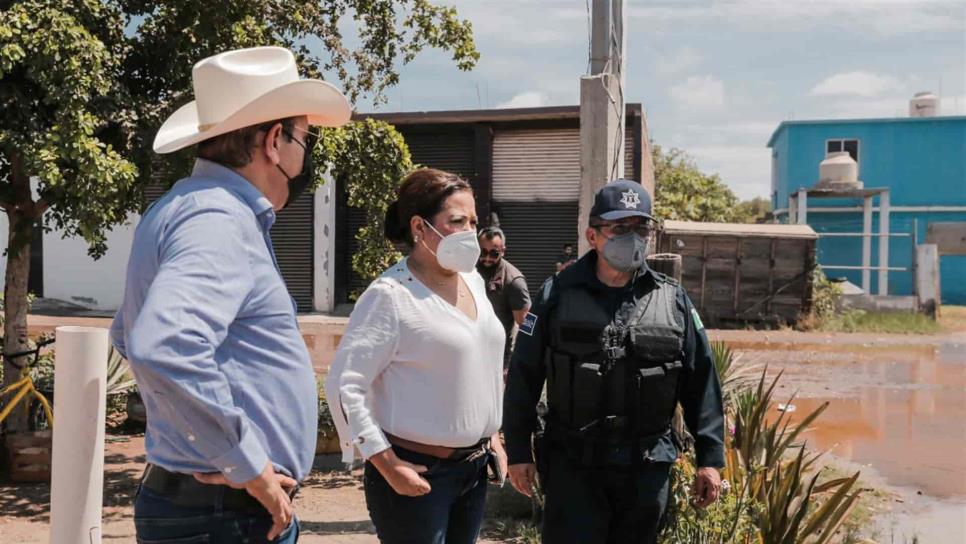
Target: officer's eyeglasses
{"points": [[491, 253], [643, 230]]}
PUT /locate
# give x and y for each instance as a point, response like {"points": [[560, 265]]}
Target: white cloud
{"points": [[683, 60], [699, 93], [529, 99], [878, 17], [746, 169], [953, 105], [857, 83]]}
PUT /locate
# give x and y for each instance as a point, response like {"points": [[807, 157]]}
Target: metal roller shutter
{"points": [[536, 235], [536, 165], [536, 185], [292, 236], [630, 168], [355, 220], [451, 151]]}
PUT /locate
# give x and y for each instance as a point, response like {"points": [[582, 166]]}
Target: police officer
{"points": [[618, 346]]}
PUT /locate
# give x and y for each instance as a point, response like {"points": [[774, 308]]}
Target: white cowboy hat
{"points": [[246, 87]]}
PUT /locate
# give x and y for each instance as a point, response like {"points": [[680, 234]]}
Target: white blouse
{"points": [[413, 365]]}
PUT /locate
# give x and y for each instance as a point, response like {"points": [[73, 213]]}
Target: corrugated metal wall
{"points": [[292, 236], [536, 165]]}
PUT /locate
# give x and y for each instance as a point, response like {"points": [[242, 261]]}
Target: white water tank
{"points": [[924, 104], [838, 171]]}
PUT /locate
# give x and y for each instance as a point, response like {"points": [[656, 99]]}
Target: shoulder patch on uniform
{"points": [[529, 323], [697, 319]]}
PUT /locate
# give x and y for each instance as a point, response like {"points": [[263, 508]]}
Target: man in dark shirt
{"points": [[505, 285], [567, 258]]}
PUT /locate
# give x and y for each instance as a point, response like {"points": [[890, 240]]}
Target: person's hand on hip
{"points": [[269, 488], [404, 477]]}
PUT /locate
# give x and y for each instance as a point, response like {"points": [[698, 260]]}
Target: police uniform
{"points": [[616, 361]]}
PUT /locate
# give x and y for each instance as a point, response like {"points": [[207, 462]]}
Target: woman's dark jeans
{"points": [[451, 513]]}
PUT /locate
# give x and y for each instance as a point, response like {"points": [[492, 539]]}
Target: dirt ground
{"points": [[897, 403]]}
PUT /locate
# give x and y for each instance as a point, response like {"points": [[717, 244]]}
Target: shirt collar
{"points": [[585, 272], [237, 184]]}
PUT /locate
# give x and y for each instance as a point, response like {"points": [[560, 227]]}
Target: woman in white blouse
{"points": [[416, 383]]}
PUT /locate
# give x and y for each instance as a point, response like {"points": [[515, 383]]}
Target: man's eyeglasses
{"points": [[492, 253], [643, 230]]}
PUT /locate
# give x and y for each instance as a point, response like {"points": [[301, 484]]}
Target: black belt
{"points": [[602, 450], [185, 490]]}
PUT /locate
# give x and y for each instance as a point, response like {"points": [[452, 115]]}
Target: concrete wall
{"points": [[73, 276]]}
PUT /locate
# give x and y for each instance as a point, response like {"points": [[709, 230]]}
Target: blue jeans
{"points": [[159, 521], [451, 513]]}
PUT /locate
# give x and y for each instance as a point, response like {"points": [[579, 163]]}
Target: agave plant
{"points": [[733, 376], [796, 508], [119, 378]]}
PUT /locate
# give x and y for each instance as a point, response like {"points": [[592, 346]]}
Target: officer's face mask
{"points": [[626, 252], [298, 184], [457, 252]]}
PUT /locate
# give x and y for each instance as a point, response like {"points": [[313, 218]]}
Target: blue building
{"points": [[921, 160]]}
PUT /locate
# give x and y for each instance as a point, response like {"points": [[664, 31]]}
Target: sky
{"points": [[715, 77]]}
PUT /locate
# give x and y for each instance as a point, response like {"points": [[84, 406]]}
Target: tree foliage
{"points": [[370, 158], [361, 43], [685, 193], [85, 84], [59, 63]]}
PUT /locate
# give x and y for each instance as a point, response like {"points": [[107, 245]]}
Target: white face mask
{"points": [[457, 252]]}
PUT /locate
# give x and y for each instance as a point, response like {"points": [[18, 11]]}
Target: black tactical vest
{"points": [[615, 377]]}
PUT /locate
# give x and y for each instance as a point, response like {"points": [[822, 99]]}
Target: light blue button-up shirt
{"points": [[210, 332]]}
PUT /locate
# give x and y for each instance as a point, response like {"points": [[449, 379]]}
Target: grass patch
{"points": [[514, 532], [881, 322]]}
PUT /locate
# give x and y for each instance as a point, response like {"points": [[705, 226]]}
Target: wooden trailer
{"points": [[744, 274]]}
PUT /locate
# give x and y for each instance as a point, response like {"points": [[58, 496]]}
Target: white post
{"points": [[323, 251], [77, 472], [927, 279], [867, 245], [884, 243], [802, 207], [792, 209]]}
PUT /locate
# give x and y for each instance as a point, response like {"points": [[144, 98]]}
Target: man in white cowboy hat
{"points": [[207, 323]]}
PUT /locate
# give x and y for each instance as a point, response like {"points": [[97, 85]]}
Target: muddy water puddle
{"points": [[902, 412], [896, 412]]}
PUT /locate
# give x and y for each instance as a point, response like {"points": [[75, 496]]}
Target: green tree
{"points": [[173, 35], [59, 61], [754, 210], [86, 83], [682, 192], [370, 158]]}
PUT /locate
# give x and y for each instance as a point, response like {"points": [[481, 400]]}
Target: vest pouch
{"points": [[558, 388], [587, 389], [657, 395]]}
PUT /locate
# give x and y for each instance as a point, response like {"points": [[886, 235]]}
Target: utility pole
{"points": [[602, 107]]}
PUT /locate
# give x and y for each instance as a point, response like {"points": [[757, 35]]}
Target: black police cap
{"points": [[621, 198]]}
